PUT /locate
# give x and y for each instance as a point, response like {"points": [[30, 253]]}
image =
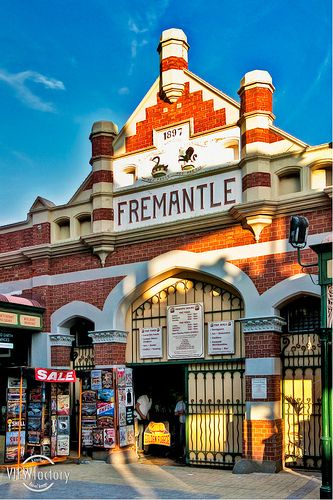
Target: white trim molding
{"points": [[109, 337], [262, 366], [61, 340], [265, 324], [268, 410]]}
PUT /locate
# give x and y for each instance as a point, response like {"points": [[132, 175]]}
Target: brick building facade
{"points": [[195, 191]]}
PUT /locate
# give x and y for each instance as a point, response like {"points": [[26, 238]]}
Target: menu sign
{"points": [[151, 342], [185, 331], [221, 337]]}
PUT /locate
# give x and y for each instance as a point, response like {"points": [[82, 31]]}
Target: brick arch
{"points": [[149, 273], [285, 290], [60, 319]]}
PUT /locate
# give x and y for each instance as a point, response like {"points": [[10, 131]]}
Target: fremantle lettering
{"points": [[164, 205]]}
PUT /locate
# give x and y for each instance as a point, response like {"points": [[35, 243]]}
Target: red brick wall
{"points": [[60, 355], [256, 179], [92, 292], [103, 214], [273, 387], [109, 354], [262, 345], [265, 271], [102, 176], [191, 105], [263, 440], [256, 99], [260, 135], [102, 145], [35, 235], [173, 62]]}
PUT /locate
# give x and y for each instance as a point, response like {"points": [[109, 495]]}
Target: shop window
{"points": [[321, 178], [62, 229], [289, 182]]}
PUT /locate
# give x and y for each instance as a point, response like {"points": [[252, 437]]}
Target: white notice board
{"points": [[221, 337], [185, 331], [151, 342], [259, 388]]}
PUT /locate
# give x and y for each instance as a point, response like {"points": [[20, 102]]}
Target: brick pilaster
{"points": [[61, 345], [263, 426], [109, 347]]}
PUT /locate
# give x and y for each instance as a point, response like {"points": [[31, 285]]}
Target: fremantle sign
{"points": [[184, 200]]}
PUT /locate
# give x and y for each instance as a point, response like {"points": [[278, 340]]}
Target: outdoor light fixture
{"points": [[298, 234]]}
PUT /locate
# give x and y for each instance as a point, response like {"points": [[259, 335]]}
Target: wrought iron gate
{"points": [[300, 353], [215, 413]]}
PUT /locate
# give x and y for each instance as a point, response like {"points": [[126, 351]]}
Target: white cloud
{"points": [[123, 91], [134, 27], [18, 82]]}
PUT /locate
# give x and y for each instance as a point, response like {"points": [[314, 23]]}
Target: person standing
{"points": [[141, 417], [180, 412]]}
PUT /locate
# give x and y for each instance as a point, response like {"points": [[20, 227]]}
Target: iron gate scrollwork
{"points": [[216, 412], [300, 354]]}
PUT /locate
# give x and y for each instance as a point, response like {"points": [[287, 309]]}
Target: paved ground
{"points": [[98, 480]]}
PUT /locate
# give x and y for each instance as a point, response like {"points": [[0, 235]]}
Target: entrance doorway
{"points": [[166, 383]]}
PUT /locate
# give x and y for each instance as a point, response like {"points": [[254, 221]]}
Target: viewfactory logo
{"points": [[34, 478]]}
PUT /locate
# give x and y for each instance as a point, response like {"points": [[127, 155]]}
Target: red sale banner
{"points": [[46, 375]]}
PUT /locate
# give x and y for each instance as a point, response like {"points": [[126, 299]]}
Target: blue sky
{"points": [[67, 63]]}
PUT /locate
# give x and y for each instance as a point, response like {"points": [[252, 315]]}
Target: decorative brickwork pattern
{"points": [[103, 214], [189, 105], [60, 355], [102, 145], [256, 179], [263, 440], [109, 354], [102, 176], [256, 99], [173, 62], [273, 387], [260, 135], [262, 345]]}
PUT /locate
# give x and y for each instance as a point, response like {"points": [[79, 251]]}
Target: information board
{"points": [[221, 337], [185, 331], [151, 342]]}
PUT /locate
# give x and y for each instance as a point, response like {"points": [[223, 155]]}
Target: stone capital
{"points": [[61, 339], [264, 324], [108, 337]]}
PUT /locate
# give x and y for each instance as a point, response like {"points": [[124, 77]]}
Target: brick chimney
{"points": [[173, 48], [102, 136], [256, 113]]}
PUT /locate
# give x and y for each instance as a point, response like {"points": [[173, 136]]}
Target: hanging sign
{"points": [[46, 375], [156, 433], [221, 337], [151, 342], [185, 331]]}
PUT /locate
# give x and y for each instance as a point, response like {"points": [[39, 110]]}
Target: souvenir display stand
{"points": [[107, 411], [37, 417]]}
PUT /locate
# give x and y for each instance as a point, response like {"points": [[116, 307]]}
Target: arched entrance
{"points": [[213, 384], [301, 392]]}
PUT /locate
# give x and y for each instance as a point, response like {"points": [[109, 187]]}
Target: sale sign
{"points": [[46, 375]]}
